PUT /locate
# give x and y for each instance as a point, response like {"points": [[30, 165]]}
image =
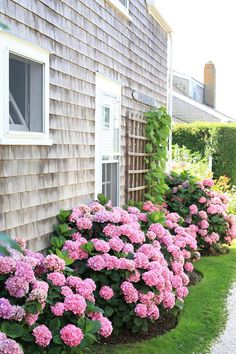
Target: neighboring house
{"points": [[71, 73], [195, 101]]}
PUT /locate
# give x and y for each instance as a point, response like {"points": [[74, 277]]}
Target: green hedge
{"points": [[218, 139]]}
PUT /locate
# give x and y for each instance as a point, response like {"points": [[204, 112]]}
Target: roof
{"points": [[186, 110]]}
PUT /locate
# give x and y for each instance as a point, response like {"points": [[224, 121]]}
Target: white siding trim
{"points": [[153, 11], [9, 43], [114, 87]]}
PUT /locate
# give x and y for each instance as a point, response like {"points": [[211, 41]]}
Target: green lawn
{"points": [[202, 318]]}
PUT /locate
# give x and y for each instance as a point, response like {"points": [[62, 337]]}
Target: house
{"points": [[195, 101], [75, 75]]}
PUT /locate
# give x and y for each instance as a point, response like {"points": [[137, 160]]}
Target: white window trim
{"points": [[114, 87], [124, 11], [10, 43]]}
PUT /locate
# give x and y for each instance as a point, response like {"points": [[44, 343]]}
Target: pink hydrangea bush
{"points": [[201, 208], [140, 267], [42, 307]]}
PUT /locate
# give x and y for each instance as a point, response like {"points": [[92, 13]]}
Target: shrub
{"points": [[198, 204], [42, 309], [138, 265], [185, 160], [218, 139]]}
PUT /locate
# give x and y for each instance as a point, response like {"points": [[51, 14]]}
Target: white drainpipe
{"points": [[169, 97]]}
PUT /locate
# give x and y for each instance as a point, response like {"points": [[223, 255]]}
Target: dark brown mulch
{"points": [[217, 250], [195, 277], [167, 322]]}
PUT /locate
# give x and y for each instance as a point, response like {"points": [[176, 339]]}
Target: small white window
{"points": [[24, 88], [106, 112], [107, 144], [122, 6]]}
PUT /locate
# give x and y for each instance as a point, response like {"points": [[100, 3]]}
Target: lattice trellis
{"points": [[136, 167]]}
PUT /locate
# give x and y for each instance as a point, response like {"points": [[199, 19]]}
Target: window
{"points": [[24, 92], [122, 6], [124, 3], [107, 142], [110, 181], [106, 117]]}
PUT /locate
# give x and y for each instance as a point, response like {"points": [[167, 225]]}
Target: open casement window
{"points": [[25, 94], [24, 89], [108, 139]]}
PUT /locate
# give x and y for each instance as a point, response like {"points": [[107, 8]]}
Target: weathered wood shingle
{"points": [[84, 37]]}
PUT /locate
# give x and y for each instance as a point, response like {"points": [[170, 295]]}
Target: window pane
{"points": [[124, 2], [110, 181], [25, 94], [105, 117]]}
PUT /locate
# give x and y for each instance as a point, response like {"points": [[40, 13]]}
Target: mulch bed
{"points": [[194, 277], [167, 322]]}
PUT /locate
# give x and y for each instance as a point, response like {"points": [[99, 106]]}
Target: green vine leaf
{"points": [[157, 131]]}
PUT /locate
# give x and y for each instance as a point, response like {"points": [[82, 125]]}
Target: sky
{"points": [[205, 30]]}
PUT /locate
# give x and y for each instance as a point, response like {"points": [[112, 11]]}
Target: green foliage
{"points": [[203, 317], [7, 242], [217, 139], [157, 132], [102, 199], [184, 192], [193, 162]]}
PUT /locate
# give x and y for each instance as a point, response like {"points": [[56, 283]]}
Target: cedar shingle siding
{"points": [[84, 37]]}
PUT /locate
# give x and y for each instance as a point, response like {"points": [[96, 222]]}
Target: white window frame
{"points": [[124, 10], [114, 88], [12, 44]]}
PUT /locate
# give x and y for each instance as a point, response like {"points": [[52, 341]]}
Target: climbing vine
{"points": [[157, 131]]}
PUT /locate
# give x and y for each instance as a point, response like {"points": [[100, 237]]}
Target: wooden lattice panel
{"points": [[136, 167]]}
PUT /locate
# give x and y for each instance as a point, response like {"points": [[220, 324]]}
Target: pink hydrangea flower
{"points": [[31, 318], [106, 327], [6, 309], [42, 335], [202, 214], [9, 346], [141, 310], [150, 278], [58, 309], [129, 291], [188, 266], [202, 200], [75, 303], [96, 263], [106, 292], [101, 245], [134, 277], [153, 312], [193, 209], [7, 265], [71, 335], [208, 182], [16, 286], [57, 279], [204, 224], [74, 248], [116, 244], [54, 263], [84, 223]]}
